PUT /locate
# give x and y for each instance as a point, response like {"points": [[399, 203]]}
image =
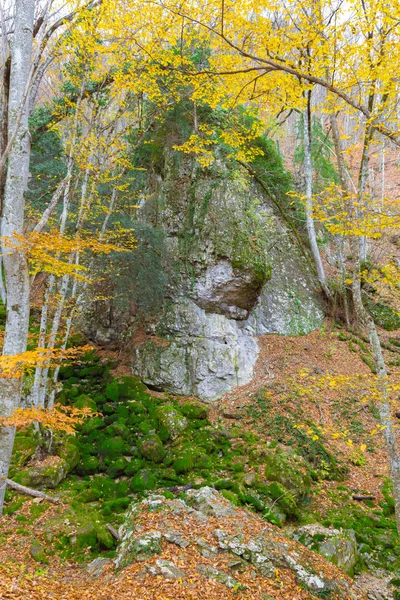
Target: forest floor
{"points": [[281, 360]]}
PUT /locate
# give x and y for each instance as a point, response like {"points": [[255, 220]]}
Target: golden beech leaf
{"points": [[60, 418]]}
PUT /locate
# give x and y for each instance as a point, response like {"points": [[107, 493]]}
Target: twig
{"points": [[362, 497], [113, 532], [30, 491]]}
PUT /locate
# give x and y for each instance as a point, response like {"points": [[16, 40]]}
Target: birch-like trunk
{"points": [[308, 176], [384, 405], [14, 262], [365, 319]]}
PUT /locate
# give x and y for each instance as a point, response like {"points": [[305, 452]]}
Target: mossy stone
{"points": [[194, 410], [117, 466], [184, 462], [108, 408], [69, 452], [117, 505], [88, 465], [92, 424], [384, 316], [146, 426], [66, 372], [112, 447], [112, 391], [37, 552], [134, 466], [151, 448], [105, 539], [224, 484], [104, 486], [129, 387], [284, 499], [231, 496], [143, 480], [45, 476], [85, 401], [85, 536], [92, 371], [289, 469], [172, 422], [25, 446], [118, 429]]}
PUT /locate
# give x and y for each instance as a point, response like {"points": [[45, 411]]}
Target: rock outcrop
{"points": [[224, 544], [228, 269]]}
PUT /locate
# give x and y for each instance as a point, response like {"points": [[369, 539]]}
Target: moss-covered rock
{"points": [[25, 445], [184, 461], [37, 552], [68, 451], [384, 316], [112, 447], [46, 475], [88, 465], [134, 466], [172, 422], [151, 448], [143, 480], [193, 410], [288, 468], [85, 401], [112, 391], [117, 466], [337, 546]]}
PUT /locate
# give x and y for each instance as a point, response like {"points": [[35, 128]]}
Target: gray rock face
{"points": [[206, 354], [208, 501], [227, 291], [266, 552], [231, 272]]}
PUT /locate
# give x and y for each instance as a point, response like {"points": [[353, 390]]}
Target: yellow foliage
{"points": [[13, 366], [60, 418]]}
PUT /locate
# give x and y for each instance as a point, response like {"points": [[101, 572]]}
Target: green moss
{"points": [[284, 466], [172, 423], [88, 465], [194, 410], [384, 316], [85, 401], [117, 505], [134, 466], [130, 387], [143, 480], [112, 391], [92, 424], [185, 461], [231, 496], [117, 466], [112, 447], [151, 448]]}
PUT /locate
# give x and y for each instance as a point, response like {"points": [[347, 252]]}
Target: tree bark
{"points": [[14, 261], [308, 175], [364, 318]]}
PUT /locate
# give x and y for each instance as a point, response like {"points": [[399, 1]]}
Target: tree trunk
{"points": [[365, 319], [14, 262], [384, 406], [308, 175]]}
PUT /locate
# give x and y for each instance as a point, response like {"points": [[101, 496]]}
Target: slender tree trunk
{"points": [[365, 319], [308, 175], [384, 405], [14, 261]]}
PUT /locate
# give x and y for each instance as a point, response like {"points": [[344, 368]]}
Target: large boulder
{"points": [[232, 540], [229, 269]]}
